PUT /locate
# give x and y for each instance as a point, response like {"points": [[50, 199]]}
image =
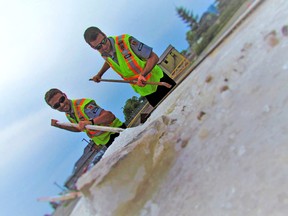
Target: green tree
{"points": [[191, 37], [188, 17], [210, 24], [222, 4], [132, 106], [197, 28], [54, 205]]}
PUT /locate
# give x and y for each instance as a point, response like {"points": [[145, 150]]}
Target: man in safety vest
{"points": [[84, 112], [132, 60]]}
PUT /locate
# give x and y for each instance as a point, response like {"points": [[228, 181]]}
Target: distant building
{"points": [[173, 62], [82, 164]]}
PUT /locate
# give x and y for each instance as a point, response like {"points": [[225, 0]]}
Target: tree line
{"points": [[202, 31]]}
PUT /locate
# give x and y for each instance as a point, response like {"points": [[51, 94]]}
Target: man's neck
{"points": [[71, 111]]}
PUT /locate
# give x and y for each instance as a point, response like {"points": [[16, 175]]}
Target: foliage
{"points": [[222, 5], [132, 106], [209, 25], [54, 205], [188, 17]]}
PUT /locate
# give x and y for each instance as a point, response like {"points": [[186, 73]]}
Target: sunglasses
{"points": [[99, 46], [61, 100]]}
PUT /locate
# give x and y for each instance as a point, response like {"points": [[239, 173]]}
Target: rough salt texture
{"points": [[217, 145]]}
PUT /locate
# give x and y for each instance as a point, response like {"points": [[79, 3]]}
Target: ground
{"points": [[217, 145]]}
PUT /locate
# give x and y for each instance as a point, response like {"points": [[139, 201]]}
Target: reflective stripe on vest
{"points": [[78, 104], [99, 137], [129, 58], [81, 116], [123, 67]]}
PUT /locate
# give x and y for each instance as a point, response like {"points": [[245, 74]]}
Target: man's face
{"points": [[102, 44], [60, 102]]}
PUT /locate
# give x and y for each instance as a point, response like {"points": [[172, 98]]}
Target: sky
{"points": [[42, 47]]}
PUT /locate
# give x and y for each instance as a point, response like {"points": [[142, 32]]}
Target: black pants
{"points": [[161, 91], [113, 136]]}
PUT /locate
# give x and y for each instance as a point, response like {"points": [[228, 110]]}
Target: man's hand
{"points": [[96, 78], [54, 122], [82, 124], [141, 81]]}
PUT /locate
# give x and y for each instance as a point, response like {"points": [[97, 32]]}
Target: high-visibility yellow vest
{"points": [[130, 66], [99, 137]]}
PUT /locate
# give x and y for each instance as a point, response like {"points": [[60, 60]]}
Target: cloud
{"points": [[22, 138]]}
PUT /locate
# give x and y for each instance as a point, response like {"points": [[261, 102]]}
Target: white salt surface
{"points": [[233, 159]]}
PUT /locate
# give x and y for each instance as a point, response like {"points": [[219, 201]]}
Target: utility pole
{"points": [[62, 189], [85, 140]]}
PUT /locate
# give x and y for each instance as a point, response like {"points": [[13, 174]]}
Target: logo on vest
{"points": [[90, 107], [127, 56], [140, 46]]}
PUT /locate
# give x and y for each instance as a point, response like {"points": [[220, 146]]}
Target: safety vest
{"points": [[99, 137], [130, 66]]}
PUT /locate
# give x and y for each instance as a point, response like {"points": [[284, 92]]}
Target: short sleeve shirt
{"points": [[140, 49]]}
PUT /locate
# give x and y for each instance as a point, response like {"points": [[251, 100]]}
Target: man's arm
{"points": [[69, 128], [104, 68], [145, 53], [96, 115], [150, 64], [105, 118]]}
